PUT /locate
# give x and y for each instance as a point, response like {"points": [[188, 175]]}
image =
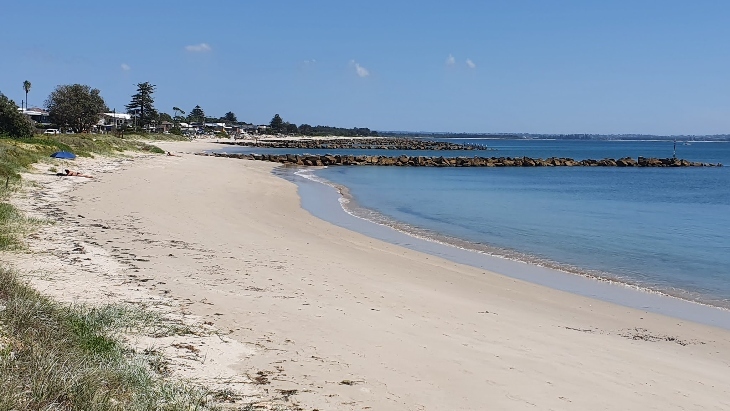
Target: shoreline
{"points": [[606, 289], [350, 205], [340, 320]]}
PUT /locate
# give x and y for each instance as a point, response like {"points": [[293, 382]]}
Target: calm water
{"points": [[663, 229]]}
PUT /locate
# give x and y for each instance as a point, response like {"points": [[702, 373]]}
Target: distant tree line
{"points": [[278, 125], [77, 108]]}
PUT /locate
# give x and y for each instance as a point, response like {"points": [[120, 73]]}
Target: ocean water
{"points": [[660, 229]]}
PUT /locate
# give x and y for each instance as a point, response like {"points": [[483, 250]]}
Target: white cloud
{"points": [[126, 67], [470, 64], [308, 62], [450, 61], [360, 70], [198, 48]]}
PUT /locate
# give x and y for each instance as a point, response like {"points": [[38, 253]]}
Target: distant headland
{"points": [[577, 136]]}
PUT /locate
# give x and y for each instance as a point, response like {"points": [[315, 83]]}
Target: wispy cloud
{"points": [[126, 67], [308, 62], [360, 70], [198, 48], [470, 64], [450, 61]]}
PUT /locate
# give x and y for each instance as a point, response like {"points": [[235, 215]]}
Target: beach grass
{"points": [[17, 155], [64, 357], [13, 227]]}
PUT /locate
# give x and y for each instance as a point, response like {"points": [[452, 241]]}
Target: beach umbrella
{"points": [[66, 155]]}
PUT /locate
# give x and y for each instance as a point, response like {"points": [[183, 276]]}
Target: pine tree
{"points": [[276, 123], [143, 103], [197, 115], [230, 117]]}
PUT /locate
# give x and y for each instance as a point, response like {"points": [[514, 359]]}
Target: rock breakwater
{"points": [[359, 144], [421, 161]]}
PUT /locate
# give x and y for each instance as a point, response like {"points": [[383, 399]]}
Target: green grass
{"points": [[17, 155], [13, 227], [55, 356], [71, 357]]}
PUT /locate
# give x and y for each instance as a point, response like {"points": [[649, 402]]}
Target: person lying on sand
{"points": [[70, 173], [172, 155]]}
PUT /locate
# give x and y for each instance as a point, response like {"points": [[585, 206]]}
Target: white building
{"points": [[111, 121]]}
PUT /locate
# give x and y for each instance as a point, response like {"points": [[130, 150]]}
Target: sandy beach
{"points": [[312, 315]]}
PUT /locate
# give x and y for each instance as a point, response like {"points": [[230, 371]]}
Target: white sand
{"points": [[350, 322]]}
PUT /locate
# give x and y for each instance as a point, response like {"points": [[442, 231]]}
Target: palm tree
{"points": [[175, 110], [26, 87]]}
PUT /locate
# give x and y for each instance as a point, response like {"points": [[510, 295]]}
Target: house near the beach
{"points": [[36, 115], [164, 127], [215, 126], [112, 121]]}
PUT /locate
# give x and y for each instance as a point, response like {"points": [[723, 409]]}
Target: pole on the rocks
{"points": [[674, 153]]}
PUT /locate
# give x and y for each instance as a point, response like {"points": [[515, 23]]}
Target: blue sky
{"points": [[652, 67]]}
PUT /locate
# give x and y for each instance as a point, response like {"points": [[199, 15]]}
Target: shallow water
{"points": [[325, 201], [665, 229]]}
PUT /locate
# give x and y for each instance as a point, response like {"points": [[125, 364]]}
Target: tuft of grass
{"points": [[60, 357], [13, 226]]}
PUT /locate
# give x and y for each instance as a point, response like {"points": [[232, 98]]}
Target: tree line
{"points": [[77, 108], [278, 125]]}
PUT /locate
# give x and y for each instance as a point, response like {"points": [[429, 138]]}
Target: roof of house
{"points": [[119, 115], [35, 111]]}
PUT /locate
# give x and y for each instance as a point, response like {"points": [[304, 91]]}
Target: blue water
{"points": [[665, 229]]}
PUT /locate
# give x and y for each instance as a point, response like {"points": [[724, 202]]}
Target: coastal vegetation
{"points": [[278, 126], [60, 356], [12, 122], [142, 105], [197, 115], [26, 87], [57, 356], [75, 107], [17, 156], [78, 108]]}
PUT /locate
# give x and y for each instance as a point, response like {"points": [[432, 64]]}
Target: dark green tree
{"points": [[164, 117], [230, 117], [276, 123], [177, 110], [75, 106], [12, 122], [291, 128], [26, 87], [143, 104], [197, 115], [305, 129]]}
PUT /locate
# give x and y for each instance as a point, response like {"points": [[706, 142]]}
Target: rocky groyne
{"points": [[420, 161], [359, 144]]}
